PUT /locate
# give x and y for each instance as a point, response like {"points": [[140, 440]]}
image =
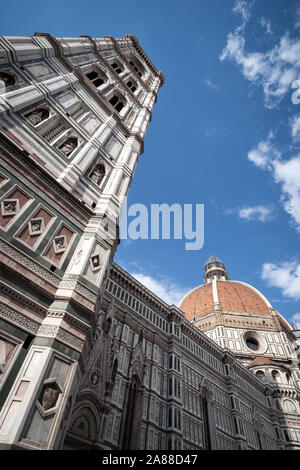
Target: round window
{"points": [[252, 344]]}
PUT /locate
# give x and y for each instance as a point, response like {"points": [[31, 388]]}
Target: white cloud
{"points": [[165, 288], [284, 172], [243, 8], [265, 23], [264, 153], [210, 84], [295, 320], [288, 174], [262, 213], [273, 70], [285, 276], [295, 127]]}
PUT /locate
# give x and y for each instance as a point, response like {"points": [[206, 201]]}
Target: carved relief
{"points": [[48, 399], [94, 378], [37, 115], [60, 244], [36, 226], [10, 207], [95, 262], [69, 146]]}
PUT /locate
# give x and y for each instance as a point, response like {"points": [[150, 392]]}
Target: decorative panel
{"points": [[11, 205], [36, 227], [59, 245]]}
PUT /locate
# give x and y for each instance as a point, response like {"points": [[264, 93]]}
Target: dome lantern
{"points": [[215, 269]]}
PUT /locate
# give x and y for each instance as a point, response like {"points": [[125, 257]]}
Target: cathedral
{"points": [[90, 359]]}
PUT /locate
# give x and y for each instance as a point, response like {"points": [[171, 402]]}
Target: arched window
{"points": [[117, 67], [118, 102], [206, 423], [114, 371], [289, 406], [98, 174], [106, 325], [37, 115], [7, 79], [136, 68], [275, 376], [69, 146], [260, 374], [96, 78], [131, 85]]}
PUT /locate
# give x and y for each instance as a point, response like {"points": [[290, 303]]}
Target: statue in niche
{"points": [[7, 79], [98, 174], [68, 146], [37, 115]]}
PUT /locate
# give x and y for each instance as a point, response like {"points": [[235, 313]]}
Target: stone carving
{"points": [[98, 174], [95, 378], [36, 226], [7, 79], [60, 244], [69, 146], [10, 207], [95, 262], [18, 319], [61, 334], [49, 396], [37, 115], [26, 261]]}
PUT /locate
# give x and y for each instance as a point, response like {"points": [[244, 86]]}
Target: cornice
{"points": [[142, 53]]}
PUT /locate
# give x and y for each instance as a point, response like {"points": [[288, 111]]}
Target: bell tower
{"points": [[73, 117]]}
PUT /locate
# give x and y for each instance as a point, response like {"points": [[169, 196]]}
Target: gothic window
{"points": [[289, 406], [206, 424], [275, 376], [117, 102], [260, 374], [135, 68], [96, 78], [37, 115], [107, 325], [68, 146], [117, 67], [131, 85], [6, 79], [114, 371], [98, 174]]}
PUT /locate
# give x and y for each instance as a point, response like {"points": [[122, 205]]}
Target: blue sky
{"points": [[224, 132]]}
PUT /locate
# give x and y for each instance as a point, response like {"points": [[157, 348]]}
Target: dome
{"points": [[231, 296]]}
